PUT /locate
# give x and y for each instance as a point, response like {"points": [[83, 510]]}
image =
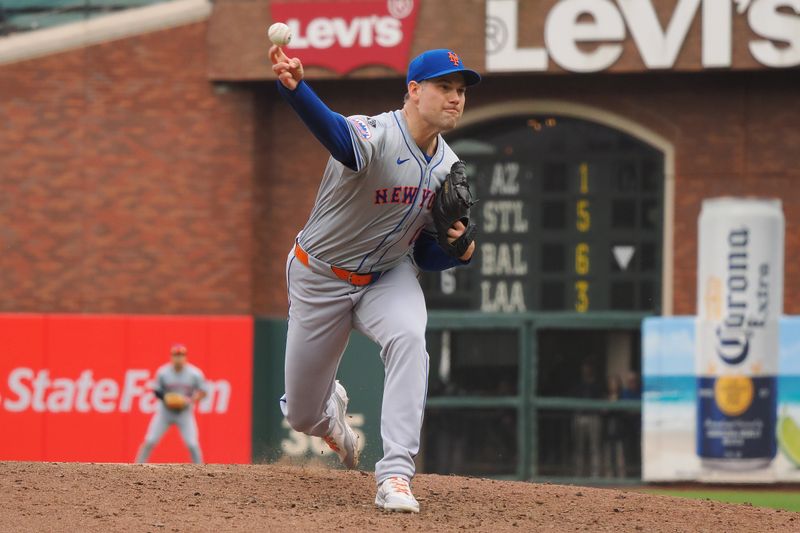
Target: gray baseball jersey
{"points": [[186, 382], [366, 220]]}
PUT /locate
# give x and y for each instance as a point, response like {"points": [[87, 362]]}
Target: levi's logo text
{"points": [[714, 33], [404, 195], [344, 36]]}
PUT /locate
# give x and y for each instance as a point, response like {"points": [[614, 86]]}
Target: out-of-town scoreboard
{"points": [[569, 215]]}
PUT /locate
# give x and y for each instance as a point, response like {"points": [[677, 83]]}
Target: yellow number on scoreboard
{"points": [[582, 259], [581, 296], [584, 218], [584, 172]]}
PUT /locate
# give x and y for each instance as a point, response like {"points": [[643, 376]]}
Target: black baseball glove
{"points": [[452, 204]]}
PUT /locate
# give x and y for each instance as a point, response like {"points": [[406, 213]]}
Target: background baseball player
{"points": [[355, 263], [179, 385]]}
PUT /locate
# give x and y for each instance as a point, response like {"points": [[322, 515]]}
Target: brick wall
{"points": [[129, 183], [125, 181]]}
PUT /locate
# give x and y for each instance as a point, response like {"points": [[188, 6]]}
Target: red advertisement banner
{"points": [[344, 36], [78, 387]]}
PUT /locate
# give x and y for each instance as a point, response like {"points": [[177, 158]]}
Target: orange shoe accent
{"points": [[400, 485], [331, 443]]}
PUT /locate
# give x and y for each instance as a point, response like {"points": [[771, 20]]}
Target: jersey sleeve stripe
{"points": [[356, 149]]}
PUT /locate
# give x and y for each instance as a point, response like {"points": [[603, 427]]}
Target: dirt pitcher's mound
{"points": [[159, 498]]}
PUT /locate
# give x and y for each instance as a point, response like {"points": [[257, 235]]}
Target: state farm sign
{"points": [[41, 392], [588, 35], [344, 36], [79, 387]]}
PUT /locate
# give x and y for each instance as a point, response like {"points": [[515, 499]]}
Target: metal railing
{"points": [[532, 409]]}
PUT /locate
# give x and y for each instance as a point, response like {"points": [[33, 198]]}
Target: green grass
{"points": [[789, 500]]}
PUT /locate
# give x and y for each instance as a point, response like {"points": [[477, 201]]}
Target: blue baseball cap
{"points": [[437, 63]]}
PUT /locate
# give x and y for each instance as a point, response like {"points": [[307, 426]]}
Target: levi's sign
{"points": [[588, 35], [344, 36]]}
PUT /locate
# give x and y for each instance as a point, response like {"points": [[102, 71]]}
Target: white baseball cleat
{"points": [[394, 494], [342, 439]]}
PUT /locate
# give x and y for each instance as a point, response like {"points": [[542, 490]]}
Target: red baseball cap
{"points": [[178, 349]]}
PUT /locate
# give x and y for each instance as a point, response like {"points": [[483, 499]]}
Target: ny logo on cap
{"points": [[453, 57]]}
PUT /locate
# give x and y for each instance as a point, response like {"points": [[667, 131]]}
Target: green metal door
{"points": [[361, 372]]}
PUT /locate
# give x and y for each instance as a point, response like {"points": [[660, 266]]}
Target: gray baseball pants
{"points": [[323, 310], [161, 422]]}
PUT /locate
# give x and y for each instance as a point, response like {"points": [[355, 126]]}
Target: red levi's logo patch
{"points": [[344, 36]]}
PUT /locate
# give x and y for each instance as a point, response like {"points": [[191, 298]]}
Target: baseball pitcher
{"points": [[393, 199], [179, 386]]}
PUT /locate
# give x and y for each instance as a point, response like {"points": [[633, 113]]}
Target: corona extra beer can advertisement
{"points": [[722, 389]]}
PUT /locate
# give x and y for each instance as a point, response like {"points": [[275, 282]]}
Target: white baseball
{"points": [[280, 34]]}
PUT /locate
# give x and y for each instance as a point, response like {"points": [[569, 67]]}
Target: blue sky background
{"points": [[668, 346]]}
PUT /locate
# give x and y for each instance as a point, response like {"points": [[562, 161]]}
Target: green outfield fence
{"points": [[526, 408]]}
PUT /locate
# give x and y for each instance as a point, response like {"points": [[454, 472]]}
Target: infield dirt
{"points": [[160, 498]]}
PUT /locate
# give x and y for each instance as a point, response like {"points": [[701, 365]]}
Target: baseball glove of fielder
{"points": [[175, 401], [452, 204]]}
